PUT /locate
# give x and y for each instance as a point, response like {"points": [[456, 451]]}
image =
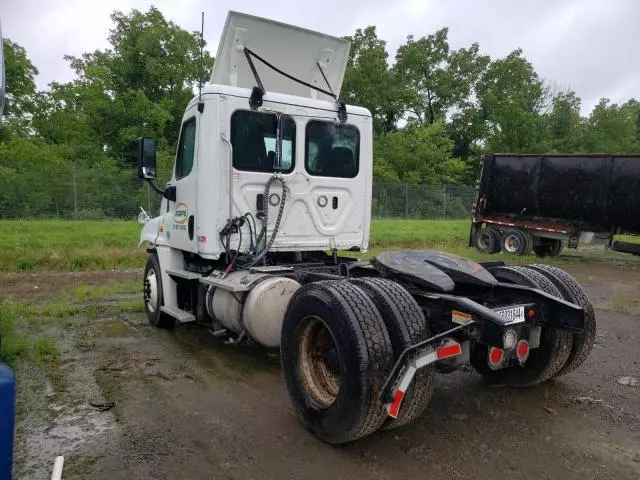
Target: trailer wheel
{"points": [[548, 247], [487, 240], [152, 290], [406, 326], [573, 292], [514, 242], [556, 248], [336, 354], [545, 361]]}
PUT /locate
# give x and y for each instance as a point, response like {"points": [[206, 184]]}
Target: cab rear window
{"points": [[332, 149], [253, 136]]}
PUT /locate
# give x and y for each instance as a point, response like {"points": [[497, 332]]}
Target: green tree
{"points": [[565, 126], [513, 99], [438, 79], [20, 76], [613, 128], [370, 83], [420, 154], [143, 82]]}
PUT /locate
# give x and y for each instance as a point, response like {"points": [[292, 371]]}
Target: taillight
{"points": [[522, 350], [496, 358]]}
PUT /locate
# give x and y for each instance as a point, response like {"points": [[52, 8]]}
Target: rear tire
{"points": [[406, 326], [545, 361], [573, 292], [514, 242], [336, 354], [487, 240], [153, 299]]}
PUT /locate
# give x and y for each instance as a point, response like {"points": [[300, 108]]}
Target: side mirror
{"points": [[2, 79], [146, 148]]}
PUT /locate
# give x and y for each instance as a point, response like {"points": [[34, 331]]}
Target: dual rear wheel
{"points": [[339, 341], [559, 352], [514, 241]]}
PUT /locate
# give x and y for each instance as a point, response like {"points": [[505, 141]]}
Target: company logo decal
{"points": [[181, 213]]}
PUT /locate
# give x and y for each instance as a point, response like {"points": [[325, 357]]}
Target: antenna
{"points": [[201, 72]]}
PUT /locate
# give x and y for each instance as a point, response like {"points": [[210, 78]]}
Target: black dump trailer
{"points": [[543, 203]]}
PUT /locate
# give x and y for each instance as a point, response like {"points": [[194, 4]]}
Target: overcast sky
{"points": [[591, 46]]}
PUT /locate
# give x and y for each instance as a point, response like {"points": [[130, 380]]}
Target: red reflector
{"points": [[531, 313], [522, 350], [394, 407], [449, 351], [495, 355]]}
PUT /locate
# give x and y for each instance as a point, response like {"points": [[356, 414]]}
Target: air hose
{"points": [[265, 218]]}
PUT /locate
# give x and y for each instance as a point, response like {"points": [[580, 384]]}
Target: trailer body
{"points": [[569, 198]]}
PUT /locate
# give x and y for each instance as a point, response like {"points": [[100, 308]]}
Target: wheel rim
{"points": [[319, 362], [511, 243], [484, 241], [151, 291]]}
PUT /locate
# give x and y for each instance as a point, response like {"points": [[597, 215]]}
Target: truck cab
{"points": [[228, 149]]}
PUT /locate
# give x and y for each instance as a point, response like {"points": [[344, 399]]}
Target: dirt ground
{"points": [[188, 406]]}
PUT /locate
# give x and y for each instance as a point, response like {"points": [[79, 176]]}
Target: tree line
{"points": [[435, 110]]}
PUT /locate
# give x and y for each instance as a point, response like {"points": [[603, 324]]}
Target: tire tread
{"points": [[573, 292], [406, 325]]}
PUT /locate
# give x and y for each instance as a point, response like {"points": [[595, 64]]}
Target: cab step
{"points": [[181, 315], [185, 274]]}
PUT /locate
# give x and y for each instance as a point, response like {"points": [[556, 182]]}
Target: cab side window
{"points": [[186, 149]]}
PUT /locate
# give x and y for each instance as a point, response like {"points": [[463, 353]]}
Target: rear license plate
{"points": [[513, 315]]}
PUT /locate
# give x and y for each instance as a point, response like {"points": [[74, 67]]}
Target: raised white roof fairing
{"points": [[293, 50]]}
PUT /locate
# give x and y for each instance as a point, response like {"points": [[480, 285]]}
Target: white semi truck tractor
{"points": [[258, 238]]}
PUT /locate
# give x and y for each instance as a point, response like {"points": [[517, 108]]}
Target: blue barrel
{"points": [[7, 420]]}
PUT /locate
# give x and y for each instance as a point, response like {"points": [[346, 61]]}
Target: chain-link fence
{"points": [[403, 200], [113, 193]]}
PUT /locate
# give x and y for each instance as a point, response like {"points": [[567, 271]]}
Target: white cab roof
{"points": [[291, 49]]}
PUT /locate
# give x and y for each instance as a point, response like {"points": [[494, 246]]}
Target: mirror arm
{"points": [[155, 187]]}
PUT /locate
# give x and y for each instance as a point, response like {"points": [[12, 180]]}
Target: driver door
{"points": [[182, 211]]}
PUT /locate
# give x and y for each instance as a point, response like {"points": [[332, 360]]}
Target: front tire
{"points": [[336, 354], [152, 291]]}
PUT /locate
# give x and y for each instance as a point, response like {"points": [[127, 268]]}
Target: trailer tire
{"points": [[514, 242], [153, 300], [556, 248], [573, 292], [545, 361], [487, 240], [550, 247], [406, 326], [336, 355]]}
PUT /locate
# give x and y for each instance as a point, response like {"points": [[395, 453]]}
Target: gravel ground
{"points": [[187, 406]]}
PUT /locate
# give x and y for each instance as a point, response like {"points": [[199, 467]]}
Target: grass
{"points": [[52, 245], [13, 345], [621, 303], [71, 311], [63, 245], [101, 292]]}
